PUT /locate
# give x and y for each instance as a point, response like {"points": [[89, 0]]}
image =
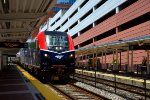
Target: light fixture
{"points": [[140, 43], [4, 1], [45, 55], [71, 55]]}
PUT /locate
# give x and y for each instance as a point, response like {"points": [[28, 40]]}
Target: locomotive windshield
{"points": [[57, 43]]}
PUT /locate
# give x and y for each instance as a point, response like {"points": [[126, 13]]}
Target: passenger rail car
{"points": [[51, 55]]}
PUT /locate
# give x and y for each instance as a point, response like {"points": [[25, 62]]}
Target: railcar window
{"points": [[57, 41], [63, 41]]}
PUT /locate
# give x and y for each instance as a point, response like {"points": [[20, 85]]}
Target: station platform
{"points": [[122, 79], [17, 84]]}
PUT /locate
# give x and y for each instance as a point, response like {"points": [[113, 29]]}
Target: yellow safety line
{"points": [[117, 76], [47, 93]]}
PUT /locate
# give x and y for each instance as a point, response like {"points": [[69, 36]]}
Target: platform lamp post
{"points": [[115, 72], [145, 76], [147, 72], [145, 64], [115, 65]]}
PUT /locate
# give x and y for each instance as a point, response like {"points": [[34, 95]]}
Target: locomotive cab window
{"points": [[57, 43]]}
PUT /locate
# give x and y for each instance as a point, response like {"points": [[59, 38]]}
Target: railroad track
{"points": [[73, 92], [116, 85]]}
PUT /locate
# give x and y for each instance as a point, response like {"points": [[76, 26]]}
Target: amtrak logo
{"points": [[59, 56]]}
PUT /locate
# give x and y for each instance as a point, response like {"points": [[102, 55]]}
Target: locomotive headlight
{"points": [[56, 48], [46, 55], [71, 55]]}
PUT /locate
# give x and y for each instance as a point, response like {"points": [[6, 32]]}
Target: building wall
{"points": [[81, 10], [139, 8], [136, 31]]}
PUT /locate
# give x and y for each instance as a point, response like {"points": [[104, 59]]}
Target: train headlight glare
{"points": [[71, 55], [45, 55]]}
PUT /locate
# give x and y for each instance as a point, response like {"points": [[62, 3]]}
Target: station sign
{"points": [[13, 45]]}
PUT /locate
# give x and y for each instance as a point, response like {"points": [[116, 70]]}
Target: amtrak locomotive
{"points": [[50, 56]]}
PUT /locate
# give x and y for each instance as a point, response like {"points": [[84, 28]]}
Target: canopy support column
{"points": [[86, 57], [105, 61], [102, 59], [132, 67], [117, 61], [120, 61], [113, 60], [148, 67], [127, 60]]}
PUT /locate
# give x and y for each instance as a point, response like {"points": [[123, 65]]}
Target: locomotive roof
{"points": [[55, 33]]}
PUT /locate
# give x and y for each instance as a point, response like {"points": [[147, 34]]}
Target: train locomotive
{"points": [[51, 56]]}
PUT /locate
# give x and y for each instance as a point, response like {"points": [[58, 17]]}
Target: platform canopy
{"points": [[19, 18], [139, 43]]}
